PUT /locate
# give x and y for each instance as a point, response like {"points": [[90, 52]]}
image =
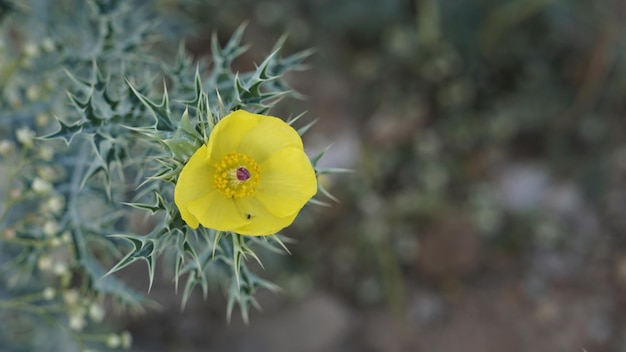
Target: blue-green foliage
{"points": [[125, 122]]}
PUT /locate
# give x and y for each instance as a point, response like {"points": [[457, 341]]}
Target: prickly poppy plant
{"points": [[90, 142], [251, 178]]}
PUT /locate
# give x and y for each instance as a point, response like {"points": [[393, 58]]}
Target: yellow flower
{"points": [[252, 177]]}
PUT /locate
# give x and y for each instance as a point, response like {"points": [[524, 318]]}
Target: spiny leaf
{"points": [[87, 108], [66, 132], [152, 208], [193, 279], [142, 249], [262, 98], [150, 261], [319, 202], [264, 242], [233, 47], [160, 111], [113, 286], [256, 281], [325, 192], [319, 156], [84, 83], [332, 170], [180, 262], [303, 130], [97, 166], [292, 62], [293, 120], [218, 236], [261, 73], [198, 90], [281, 241]]}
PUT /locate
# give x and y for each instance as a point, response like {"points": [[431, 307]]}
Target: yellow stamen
{"points": [[227, 180]]}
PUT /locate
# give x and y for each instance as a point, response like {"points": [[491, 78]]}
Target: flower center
{"points": [[237, 175]]}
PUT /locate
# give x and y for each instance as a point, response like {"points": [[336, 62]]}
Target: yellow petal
{"points": [[262, 222], [287, 182], [228, 133], [287, 179], [194, 181], [216, 211], [270, 135]]}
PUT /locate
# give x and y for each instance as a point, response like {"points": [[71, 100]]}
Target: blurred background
{"points": [[487, 207]]}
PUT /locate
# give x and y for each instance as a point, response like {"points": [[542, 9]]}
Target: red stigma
{"points": [[243, 174]]}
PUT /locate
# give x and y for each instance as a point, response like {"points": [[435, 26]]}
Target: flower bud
{"points": [[25, 136], [48, 293], [33, 93], [113, 341], [70, 296], [6, 147], [50, 228], [96, 313], [31, 49], [55, 204], [48, 45], [41, 186], [76, 321], [59, 269], [44, 263], [9, 234]]}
